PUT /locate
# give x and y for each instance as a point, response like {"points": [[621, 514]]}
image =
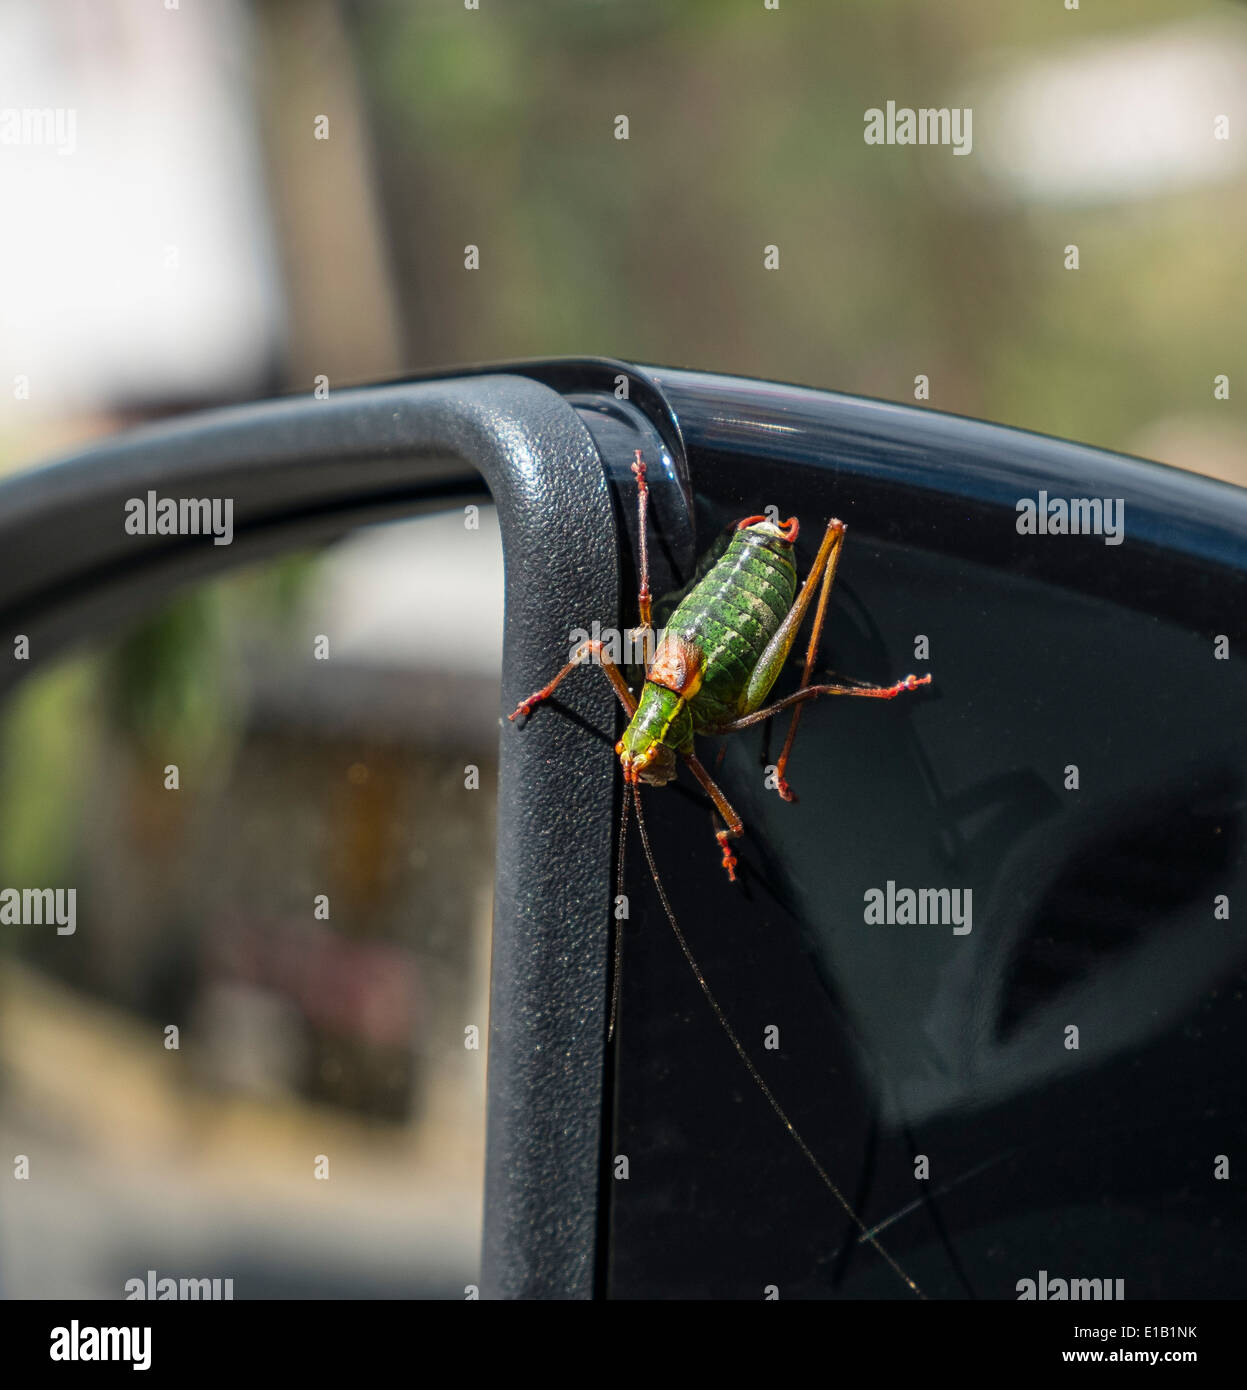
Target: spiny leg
{"points": [[820, 614], [771, 662], [643, 593], [735, 826], [869, 692], [768, 668], [585, 650], [646, 628], [617, 925]]}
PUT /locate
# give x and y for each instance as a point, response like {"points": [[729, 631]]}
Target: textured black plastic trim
{"points": [[302, 471]]}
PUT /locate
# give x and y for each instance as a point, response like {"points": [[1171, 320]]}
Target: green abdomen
{"points": [[731, 616]]}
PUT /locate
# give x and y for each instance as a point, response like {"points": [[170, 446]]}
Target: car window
{"points": [[1038, 1073], [244, 1035]]}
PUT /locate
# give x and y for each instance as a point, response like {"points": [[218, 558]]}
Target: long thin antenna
{"points": [[744, 1056], [617, 967]]}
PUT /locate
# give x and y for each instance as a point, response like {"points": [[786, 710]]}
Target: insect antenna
{"points": [[617, 966], [739, 1046]]}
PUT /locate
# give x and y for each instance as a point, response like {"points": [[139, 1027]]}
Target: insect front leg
{"points": [[644, 600], [734, 825], [582, 653]]}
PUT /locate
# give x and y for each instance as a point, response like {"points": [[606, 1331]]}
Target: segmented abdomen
{"points": [[731, 616]]}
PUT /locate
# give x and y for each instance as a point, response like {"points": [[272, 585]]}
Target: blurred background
{"points": [[215, 203]]}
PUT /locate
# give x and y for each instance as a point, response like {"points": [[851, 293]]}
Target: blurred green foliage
{"points": [[167, 690], [166, 682], [49, 730], [495, 127], [171, 684]]}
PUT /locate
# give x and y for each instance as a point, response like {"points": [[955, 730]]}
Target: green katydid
{"points": [[721, 653]]}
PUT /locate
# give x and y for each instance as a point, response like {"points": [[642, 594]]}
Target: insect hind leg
{"points": [[835, 535], [820, 579]]}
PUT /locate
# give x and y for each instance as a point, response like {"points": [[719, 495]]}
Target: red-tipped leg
{"points": [[642, 502], [734, 825], [526, 707], [810, 692], [888, 692], [871, 692], [820, 579], [729, 859], [582, 653]]}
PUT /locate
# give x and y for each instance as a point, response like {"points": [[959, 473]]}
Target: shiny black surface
{"points": [[1092, 907]]}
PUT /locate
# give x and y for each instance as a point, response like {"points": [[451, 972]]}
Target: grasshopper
{"points": [[721, 653]]}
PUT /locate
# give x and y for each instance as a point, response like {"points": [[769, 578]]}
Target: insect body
{"points": [[720, 655], [706, 672], [723, 650]]}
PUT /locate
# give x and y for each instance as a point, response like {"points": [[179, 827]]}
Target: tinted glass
{"points": [[1068, 1066]]}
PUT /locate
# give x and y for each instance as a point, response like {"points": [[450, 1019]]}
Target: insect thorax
{"points": [[660, 727]]}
